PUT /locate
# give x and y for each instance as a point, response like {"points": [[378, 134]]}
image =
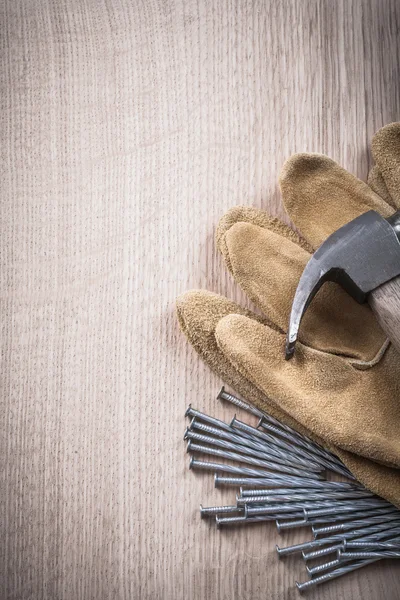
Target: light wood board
{"points": [[127, 129]]}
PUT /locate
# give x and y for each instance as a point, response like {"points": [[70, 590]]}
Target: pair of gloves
{"points": [[342, 388]]}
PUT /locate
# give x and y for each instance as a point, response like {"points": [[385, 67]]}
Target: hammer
{"points": [[363, 257]]}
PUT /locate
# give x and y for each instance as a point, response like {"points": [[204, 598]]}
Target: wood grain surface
{"points": [[385, 302], [127, 129]]}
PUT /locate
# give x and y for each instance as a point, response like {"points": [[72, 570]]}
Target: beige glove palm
{"points": [[342, 386]]}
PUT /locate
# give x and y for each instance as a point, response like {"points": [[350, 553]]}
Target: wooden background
{"points": [[127, 129]]}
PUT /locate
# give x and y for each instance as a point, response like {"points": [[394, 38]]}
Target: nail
{"points": [[192, 412], [267, 500], [323, 486], [209, 511], [224, 395], [321, 552], [272, 424], [319, 512], [226, 433], [231, 446], [244, 520], [256, 444], [324, 457], [263, 415], [299, 440], [324, 567], [250, 460], [348, 544], [385, 515], [291, 447], [263, 475], [260, 477], [281, 525], [367, 531], [290, 496], [220, 480], [333, 574], [321, 506], [367, 555]]}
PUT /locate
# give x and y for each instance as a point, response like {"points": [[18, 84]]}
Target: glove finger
{"points": [[320, 196], [386, 152], [197, 311], [247, 214], [321, 391], [378, 185], [267, 264]]}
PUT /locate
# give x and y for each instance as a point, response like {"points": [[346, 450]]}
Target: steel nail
{"points": [[270, 423], [321, 551], [236, 424], [380, 516], [302, 587], [339, 537], [256, 444], [281, 525], [250, 460], [224, 395], [392, 545], [192, 412], [220, 480], [244, 520], [367, 555], [300, 440], [320, 512], [368, 536], [231, 446], [285, 506], [324, 457], [260, 477], [210, 511], [290, 496], [259, 473], [321, 568], [268, 418], [329, 486]]}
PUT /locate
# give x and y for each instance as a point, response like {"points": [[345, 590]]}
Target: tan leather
{"points": [[328, 390], [199, 312]]}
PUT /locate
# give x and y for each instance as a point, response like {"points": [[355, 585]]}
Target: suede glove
{"points": [[342, 387]]}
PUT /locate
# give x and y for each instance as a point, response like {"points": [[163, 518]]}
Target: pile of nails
{"points": [[285, 481]]}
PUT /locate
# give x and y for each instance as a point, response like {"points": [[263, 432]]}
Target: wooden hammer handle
{"points": [[385, 303]]}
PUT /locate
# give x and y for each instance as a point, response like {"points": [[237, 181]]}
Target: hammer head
{"points": [[360, 256]]}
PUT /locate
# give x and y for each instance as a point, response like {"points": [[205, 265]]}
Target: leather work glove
{"points": [[342, 386]]}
